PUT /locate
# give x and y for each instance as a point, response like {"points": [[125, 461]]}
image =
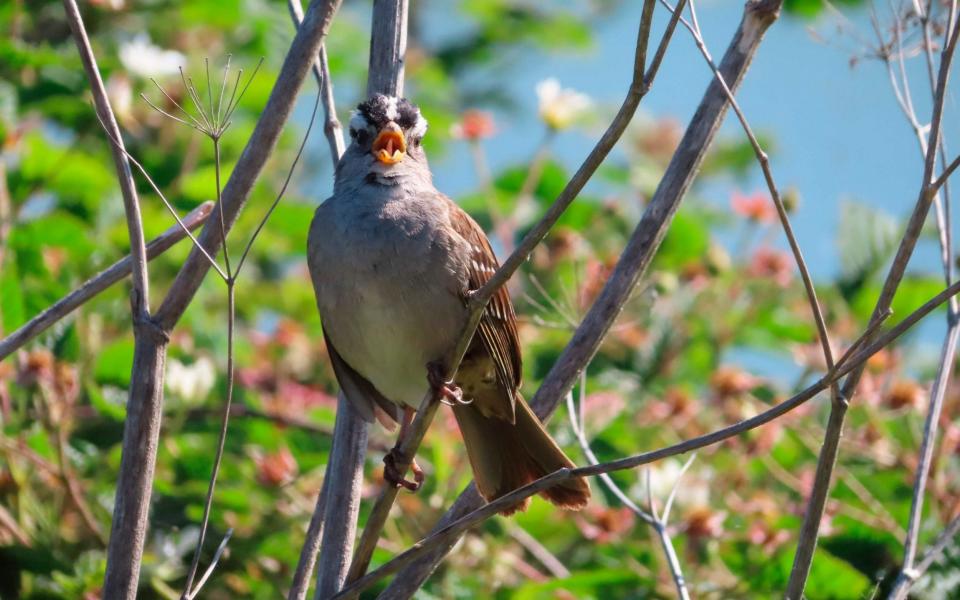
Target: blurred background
{"points": [[516, 92]]}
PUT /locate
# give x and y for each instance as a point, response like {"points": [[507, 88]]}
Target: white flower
{"points": [[141, 57], [120, 93], [693, 489], [191, 382], [560, 107]]}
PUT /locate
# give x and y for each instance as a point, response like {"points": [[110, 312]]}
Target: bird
{"points": [[393, 263]]}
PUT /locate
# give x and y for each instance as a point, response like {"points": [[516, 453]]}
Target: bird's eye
{"points": [[360, 135]]}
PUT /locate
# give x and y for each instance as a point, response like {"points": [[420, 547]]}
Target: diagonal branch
{"points": [[442, 537], [636, 257], [657, 522], [639, 86], [100, 282], [764, 162]]}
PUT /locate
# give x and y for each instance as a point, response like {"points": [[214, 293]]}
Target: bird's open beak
{"points": [[390, 146]]}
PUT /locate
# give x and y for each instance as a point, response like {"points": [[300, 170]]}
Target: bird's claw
{"points": [[393, 476], [448, 391]]}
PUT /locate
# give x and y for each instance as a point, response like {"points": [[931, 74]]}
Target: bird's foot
{"points": [[448, 391], [393, 475]]}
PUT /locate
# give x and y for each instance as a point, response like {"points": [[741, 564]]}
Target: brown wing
{"points": [[363, 396], [498, 325]]}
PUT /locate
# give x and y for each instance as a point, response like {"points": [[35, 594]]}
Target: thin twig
{"points": [[118, 143], [676, 487], [213, 564], [657, 522], [131, 204], [283, 188], [321, 72], [100, 282], [813, 516], [538, 550], [188, 590], [947, 172], [948, 348], [764, 163]]}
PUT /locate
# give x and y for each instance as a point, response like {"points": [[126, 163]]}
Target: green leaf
{"points": [[114, 363], [686, 241], [866, 239], [595, 583], [831, 577], [103, 405], [12, 313]]}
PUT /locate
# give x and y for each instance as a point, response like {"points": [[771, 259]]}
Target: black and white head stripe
{"points": [[379, 110]]}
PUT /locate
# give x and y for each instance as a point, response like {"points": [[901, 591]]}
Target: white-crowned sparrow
{"points": [[392, 261]]}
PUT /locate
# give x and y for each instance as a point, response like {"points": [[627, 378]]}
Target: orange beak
{"points": [[390, 146]]}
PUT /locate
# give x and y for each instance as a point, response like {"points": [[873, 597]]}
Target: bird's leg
{"points": [[448, 391], [391, 473]]}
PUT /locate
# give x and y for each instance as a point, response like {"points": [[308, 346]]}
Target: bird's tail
{"points": [[505, 456]]}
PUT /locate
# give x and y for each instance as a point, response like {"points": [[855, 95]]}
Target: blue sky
{"points": [[838, 132]]}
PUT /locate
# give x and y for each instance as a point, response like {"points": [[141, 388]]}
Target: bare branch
{"points": [[311, 546], [100, 282], [658, 523], [388, 47], [949, 347], [345, 476]]}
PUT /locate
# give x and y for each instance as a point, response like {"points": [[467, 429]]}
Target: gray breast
{"points": [[388, 284]]}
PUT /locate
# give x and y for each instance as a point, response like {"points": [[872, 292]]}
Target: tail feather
{"points": [[505, 456]]}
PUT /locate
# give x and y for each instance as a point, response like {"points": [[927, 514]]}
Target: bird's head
{"points": [[385, 136]]}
